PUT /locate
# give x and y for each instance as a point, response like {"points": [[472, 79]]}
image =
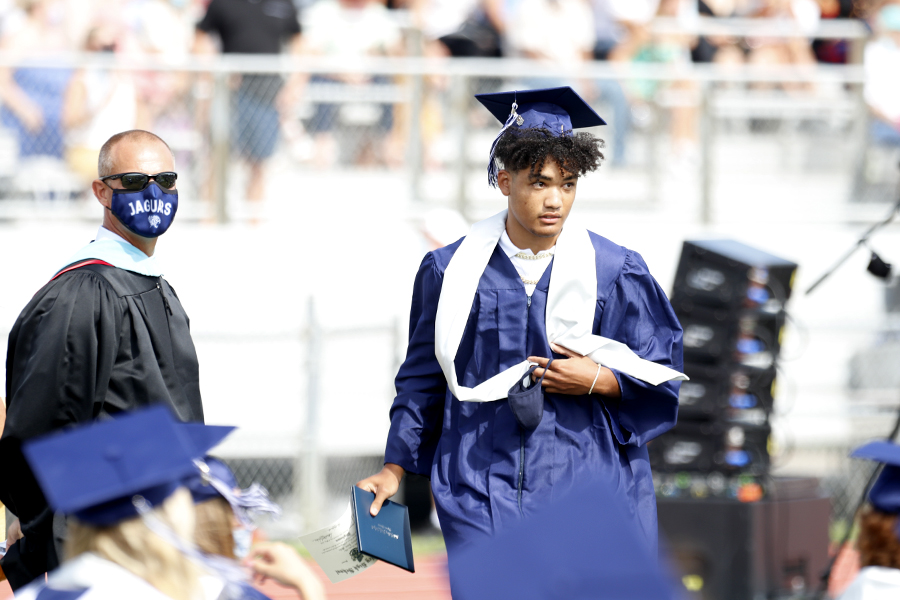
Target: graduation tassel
{"points": [[493, 170], [244, 502]]}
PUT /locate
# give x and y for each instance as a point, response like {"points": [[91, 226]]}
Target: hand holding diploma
{"points": [[383, 484], [359, 539]]}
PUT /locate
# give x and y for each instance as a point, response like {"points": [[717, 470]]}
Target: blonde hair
{"points": [[131, 545], [215, 520]]}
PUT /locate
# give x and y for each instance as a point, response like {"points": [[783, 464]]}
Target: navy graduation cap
{"points": [[94, 471], [885, 492], [204, 437], [200, 482], [558, 110]]}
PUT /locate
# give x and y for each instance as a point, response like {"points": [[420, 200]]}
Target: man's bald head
{"points": [[106, 164]]}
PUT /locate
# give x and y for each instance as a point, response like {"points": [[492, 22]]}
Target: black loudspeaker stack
{"points": [[730, 300], [734, 532]]}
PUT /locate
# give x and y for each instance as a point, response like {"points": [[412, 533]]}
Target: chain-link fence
{"points": [[416, 120], [229, 119]]}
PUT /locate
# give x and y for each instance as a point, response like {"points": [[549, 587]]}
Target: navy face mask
{"points": [[147, 212], [526, 399]]}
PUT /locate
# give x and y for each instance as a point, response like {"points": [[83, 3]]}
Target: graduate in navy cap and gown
{"points": [[489, 314], [131, 520], [879, 529], [106, 335]]}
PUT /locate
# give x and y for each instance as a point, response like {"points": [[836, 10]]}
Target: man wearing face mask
{"points": [[106, 334]]}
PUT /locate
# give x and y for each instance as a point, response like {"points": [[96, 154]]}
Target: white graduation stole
{"points": [[571, 302]]}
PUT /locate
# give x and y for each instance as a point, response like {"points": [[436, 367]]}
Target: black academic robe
{"points": [[95, 341]]}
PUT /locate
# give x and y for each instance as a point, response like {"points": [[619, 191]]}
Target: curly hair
{"points": [[877, 542], [530, 148]]}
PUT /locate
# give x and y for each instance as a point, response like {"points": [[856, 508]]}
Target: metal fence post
{"points": [[654, 165], [706, 141], [220, 125], [414, 149], [859, 142], [311, 480], [460, 86]]}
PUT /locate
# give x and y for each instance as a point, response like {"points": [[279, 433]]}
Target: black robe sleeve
{"points": [[61, 352]]}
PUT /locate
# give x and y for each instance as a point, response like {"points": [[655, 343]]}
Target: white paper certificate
{"points": [[334, 548]]}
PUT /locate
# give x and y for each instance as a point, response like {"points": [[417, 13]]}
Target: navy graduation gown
{"points": [[485, 471]]}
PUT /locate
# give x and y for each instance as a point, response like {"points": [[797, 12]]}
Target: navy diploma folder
{"points": [[386, 536]]}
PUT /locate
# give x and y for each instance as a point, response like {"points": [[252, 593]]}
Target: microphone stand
{"points": [[865, 238], [826, 573]]}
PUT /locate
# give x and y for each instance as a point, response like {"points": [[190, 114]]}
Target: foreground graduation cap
{"points": [[885, 492], [94, 471], [204, 437], [584, 545], [558, 110]]}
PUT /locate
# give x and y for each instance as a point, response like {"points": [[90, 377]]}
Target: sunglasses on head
{"points": [[138, 181]]}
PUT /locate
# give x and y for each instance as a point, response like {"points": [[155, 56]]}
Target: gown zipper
{"points": [[522, 432], [521, 469], [164, 299]]}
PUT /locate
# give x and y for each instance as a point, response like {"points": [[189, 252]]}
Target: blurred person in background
{"points": [[775, 51], [461, 27], [560, 32], [261, 100], [642, 45], [881, 62], [106, 335], [99, 102], [164, 94], [609, 32], [10, 16], [32, 97], [796, 50], [878, 540], [834, 51], [351, 30], [130, 519]]}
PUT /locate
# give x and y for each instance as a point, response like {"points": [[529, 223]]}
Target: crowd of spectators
{"points": [[58, 113]]}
